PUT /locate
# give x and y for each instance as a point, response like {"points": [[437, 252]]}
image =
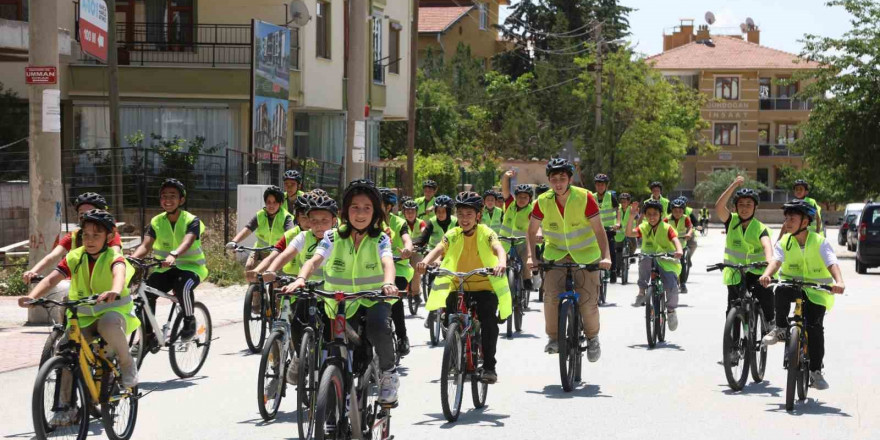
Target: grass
{"points": [[223, 267], [11, 283]]}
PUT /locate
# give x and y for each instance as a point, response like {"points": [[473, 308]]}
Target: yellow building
{"points": [[752, 117], [443, 24]]}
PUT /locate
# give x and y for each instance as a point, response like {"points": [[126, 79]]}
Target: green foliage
{"points": [[709, 190], [841, 140], [439, 167], [223, 267], [11, 283], [827, 188]]}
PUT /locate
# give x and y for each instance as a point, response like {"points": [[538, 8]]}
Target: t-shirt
{"points": [[325, 248], [67, 241], [672, 234], [65, 269], [470, 260], [828, 255], [192, 228], [288, 222], [591, 211]]}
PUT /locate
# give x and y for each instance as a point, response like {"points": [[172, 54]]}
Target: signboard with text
{"points": [[40, 75], [93, 28]]}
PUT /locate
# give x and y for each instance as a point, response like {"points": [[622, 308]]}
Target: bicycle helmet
{"points": [[274, 191], [323, 203], [651, 203], [410, 204], [469, 199], [174, 183], [319, 192], [684, 199], [302, 202], [523, 188], [293, 175], [541, 189], [747, 193], [404, 199], [624, 196], [99, 217], [601, 178], [429, 184], [489, 193], [656, 184], [90, 198], [558, 164], [801, 207], [443, 201], [677, 203], [803, 183], [388, 196]]}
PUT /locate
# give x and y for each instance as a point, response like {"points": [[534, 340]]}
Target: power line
{"points": [[527, 92]]}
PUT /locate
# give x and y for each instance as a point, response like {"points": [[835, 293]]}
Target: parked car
{"points": [[845, 226], [852, 233], [868, 248]]}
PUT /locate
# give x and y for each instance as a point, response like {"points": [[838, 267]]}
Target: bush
{"points": [[11, 283], [441, 168], [223, 268]]}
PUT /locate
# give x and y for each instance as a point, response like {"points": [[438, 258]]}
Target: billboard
{"points": [[93, 28], [270, 94]]}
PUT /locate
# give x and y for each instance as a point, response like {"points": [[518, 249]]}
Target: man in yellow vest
{"points": [[439, 223], [470, 246], [517, 211], [609, 213], [684, 228], [415, 225], [656, 194], [801, 192], [492, 213], [402, 246], [292, 189], [620, 238], [804, 255], [267, 224], [175, 236], [426, 202], [573, 233]]}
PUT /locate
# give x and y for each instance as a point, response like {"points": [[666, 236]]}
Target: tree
{"points": [[709, 190], [824, 186], [841, 140]]}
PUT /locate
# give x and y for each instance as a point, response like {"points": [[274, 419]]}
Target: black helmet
{"points": [[541, 189], [90, 198], [443, 201], [747, 193], [410, 204], [488, 193], [429, 184], [302, 202], [559, 164], [174, 183], [801, 182], [100, 217], [651, 203], [319, 192], [523, 188], [469, 199], [601, 178], [323, 203], [363, 184], [684, 199], [273, 191], [655, 184], [293, 175], [388, 196], [800, 206], [677, 203], [626, 196]]}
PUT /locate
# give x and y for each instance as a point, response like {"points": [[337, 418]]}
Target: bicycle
{"points": [[518, 292], [186, 357], [462, 355], [685, 265], [655, 301], [434, 322], [624, 259], [256, 321], [538, 279], [570, 327], [797, 356], [93, 379], [349, 386], [743, 329], [704, 226]]}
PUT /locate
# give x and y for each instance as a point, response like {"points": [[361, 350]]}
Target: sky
{"points": [[782, 22]]}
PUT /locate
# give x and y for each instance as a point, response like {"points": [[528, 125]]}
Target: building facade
{"points": [[444, 24], [752, 108]]}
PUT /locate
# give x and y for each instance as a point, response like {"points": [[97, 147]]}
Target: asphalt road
{"points": [[676, 390]]}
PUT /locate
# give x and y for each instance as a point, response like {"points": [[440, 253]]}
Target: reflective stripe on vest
{"points": [[267, 234], [515, 223], [606, 209], [807, 265], [350, 270], [659, 242], [493, 221], [742, 247], [402, 267], [84, 284], [571, 234], [169, 239], [437, 231]]}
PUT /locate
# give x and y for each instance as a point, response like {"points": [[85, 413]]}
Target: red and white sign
{"points": [[41, 75], [93, 28]]}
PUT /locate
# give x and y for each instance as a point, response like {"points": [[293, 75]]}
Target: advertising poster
{"points": [[271, 89]]}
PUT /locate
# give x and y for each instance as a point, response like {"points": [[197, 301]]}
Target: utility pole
{"points": [[44, 222], [597, 35], [116, 160], [355, 136], [411, 106]]}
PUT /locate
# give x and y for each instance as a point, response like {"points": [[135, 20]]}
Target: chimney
{"points": [[753, 35], [681, 35], [703, 33]]}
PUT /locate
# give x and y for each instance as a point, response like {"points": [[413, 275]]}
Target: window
{"points": [[394, 48], [726, 134], [764, 88], [378, 60], [14, 10], [484, 15], [322, 30], [763, 134], [764, 176], [786, 134], [727, 88], [786, 91], [692, 81], [294, 48]]}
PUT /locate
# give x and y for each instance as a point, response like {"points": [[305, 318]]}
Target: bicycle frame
{"points": [[466, 315]]}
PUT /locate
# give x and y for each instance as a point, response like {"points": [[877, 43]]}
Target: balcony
{"points": [[779, 150], [786, 104], [776, 196]]}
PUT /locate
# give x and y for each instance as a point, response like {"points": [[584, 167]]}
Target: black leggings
{"points": [[764, 296], [814, 317], [182, 282], [487, 313], [397, 312]]}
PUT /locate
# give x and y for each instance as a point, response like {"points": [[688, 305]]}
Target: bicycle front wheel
{"points": [[49, 347], [254, 318], [758, 362], [651, 317], [452, 374], [187, 357], [58, 388], [270, 382], [660, 322], [567, 338], [479, 389], [803, 380], [412, 303], [307, 385], [603, 288], [119, 413], [736, 347], [330, 418], [792, 355]]}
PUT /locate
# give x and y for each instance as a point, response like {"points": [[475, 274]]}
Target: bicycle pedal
{"points": [[389, 405]]}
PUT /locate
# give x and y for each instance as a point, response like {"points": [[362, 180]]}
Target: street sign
{"points": [[93, 28], [41, 75]]}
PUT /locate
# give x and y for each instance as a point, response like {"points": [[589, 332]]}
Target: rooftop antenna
{"points": [[750, 23], [710, 18], [297, 13]]}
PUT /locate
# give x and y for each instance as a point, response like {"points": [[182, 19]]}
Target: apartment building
{"points": [[443, 24]]}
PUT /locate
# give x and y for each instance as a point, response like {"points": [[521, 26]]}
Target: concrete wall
{"points": [[322, 78], [397, 84]]}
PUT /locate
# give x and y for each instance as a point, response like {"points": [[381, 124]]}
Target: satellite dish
{"points": [[743, 27], [710, 17], [750, 22], [299, 13]]}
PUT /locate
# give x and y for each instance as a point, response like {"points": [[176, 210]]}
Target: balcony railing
{"points": [[776, 196], [786, 104], [780, 150]]}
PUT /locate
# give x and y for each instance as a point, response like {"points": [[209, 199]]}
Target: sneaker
{"points": [[640, 300], [129, 375], [683, 289], [63, 417], [292, 371], [774, 336], [527, 284], [189, 329], [552, 347], [388, 385], [818, 380], [489, 377], [672, 320], [403, 346], [594, 350]]}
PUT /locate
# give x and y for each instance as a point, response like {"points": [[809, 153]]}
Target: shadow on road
{"points": [[809, 407], [95, 428], [520, 335], [477, 417], [281, 417], [582, 390], [659, 346], [244, 352], [171, 384], [753, 389]]}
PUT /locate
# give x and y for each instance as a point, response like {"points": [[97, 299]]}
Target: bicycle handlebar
{"points": [[485, 271], [659, 255], [92, 300], [142, 263], [720, 266], [553, 264], [239, 248], [801, 284], [512, 240], [36, 279]]}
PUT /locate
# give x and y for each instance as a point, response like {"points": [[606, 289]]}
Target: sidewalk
{"points": [[21, 345]]}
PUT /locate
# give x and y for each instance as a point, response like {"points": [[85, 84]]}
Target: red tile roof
{"points": [[433, 19], [728, 53]]}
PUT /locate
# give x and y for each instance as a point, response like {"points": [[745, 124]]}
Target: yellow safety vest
{"points": [[807, 265], [437, 231], [492, 218], [655, 243], [349, 270], [404, 269], [516, 222], [606, 209], [292, 267], [83, 285], [569, 235], [268, 235], [743, 248], [168, 239]]}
